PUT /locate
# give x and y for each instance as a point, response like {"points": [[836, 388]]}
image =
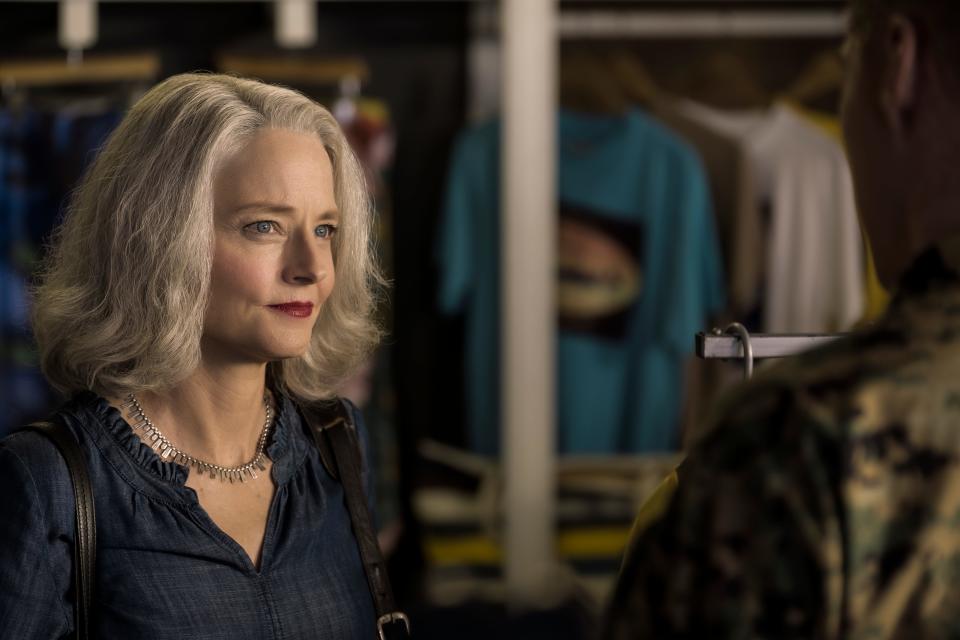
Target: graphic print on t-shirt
{"points": [[600, 274]]}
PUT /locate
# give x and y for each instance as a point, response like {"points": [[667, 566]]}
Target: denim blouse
{"points": [[164, 569]]}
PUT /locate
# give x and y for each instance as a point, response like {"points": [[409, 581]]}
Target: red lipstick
{"points": [[295, 309]]}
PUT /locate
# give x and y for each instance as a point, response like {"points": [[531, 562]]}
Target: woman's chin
{"points": [[289, 352]]}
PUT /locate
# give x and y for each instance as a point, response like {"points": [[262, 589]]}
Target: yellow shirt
{"points": [[652, 510]]}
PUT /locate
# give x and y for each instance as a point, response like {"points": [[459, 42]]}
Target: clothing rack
{"points": [[716, 23], [638, 21], [296, 69], [529, 473], [94, 69], [736, 343], [719, 346]]}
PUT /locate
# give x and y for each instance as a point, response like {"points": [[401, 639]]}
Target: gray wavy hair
{"points": [[123, 291]]}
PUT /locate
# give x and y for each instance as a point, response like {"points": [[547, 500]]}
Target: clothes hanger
{"points": [[301, 70], [45, 72], [821, 79], [22, 77], [633, 78], [587, 84], [725, 80]]}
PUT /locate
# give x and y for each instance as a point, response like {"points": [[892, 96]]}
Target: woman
{"points": [[190, 293]]}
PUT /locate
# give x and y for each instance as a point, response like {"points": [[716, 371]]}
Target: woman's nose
{"points": [[304, 262]]}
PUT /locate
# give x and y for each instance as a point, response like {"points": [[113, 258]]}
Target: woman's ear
{"points": [[899, 88]]}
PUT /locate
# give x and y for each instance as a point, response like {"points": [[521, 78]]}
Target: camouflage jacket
{"points": [[824, 500]]}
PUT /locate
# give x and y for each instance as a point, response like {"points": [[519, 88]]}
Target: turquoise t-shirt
{"points": [[639, 272]]}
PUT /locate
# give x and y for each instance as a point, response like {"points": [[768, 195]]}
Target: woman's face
{"points": [[275, 216]]}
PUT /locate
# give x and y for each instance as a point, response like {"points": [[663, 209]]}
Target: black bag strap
{"points": [[335, 434], [85, 537]]}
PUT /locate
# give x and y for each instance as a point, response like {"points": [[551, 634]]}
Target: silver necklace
{"points": [[167, 451]]}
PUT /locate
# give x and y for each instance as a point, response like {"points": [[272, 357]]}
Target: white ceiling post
{"points": [[77, 27], [528, 279], [295, 23]]}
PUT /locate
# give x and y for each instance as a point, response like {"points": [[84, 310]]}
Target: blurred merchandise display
{"points": [[53, 118], [639, 271], [461, 512]]}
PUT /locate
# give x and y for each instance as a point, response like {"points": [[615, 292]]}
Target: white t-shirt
{"points": [[814, 276]]}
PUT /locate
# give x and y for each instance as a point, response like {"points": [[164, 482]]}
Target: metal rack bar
{"points": [[678, 23], [713, 346]]}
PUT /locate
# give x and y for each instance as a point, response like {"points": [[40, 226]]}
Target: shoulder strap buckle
{"points": [[390, 618]]}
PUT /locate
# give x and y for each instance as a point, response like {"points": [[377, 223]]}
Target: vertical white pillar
{"points": [[528, 284], [77, 25], [295, 23]]}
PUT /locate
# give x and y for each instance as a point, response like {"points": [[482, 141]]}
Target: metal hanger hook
{"points": [[741, 331]]}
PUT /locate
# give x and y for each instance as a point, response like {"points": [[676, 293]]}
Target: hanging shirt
{"points": [[42, 155], [877, 297], [731, 175], [814, 275], [639, 271], [730, 172]]}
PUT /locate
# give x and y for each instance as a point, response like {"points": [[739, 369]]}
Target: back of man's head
{"points": [[902, 124], [938, 23]]}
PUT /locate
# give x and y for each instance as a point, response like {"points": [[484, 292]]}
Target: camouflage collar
{"points": [[934, 268], [950, 251]]}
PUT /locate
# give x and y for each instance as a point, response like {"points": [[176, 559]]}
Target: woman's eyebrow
{"points": [[265, 206], [331, 214]]}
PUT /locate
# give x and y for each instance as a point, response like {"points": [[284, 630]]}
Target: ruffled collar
{"points": [[120, 431]]}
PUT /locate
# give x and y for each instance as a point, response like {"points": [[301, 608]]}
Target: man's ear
{"points": [[900, 84]]}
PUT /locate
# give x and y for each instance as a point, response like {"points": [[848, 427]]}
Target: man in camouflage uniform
{"points": [[824, 501]]}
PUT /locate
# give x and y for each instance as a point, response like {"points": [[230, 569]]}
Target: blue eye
{"points": [[325, 230], [263, 226]]}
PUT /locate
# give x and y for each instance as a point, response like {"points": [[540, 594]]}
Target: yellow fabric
{"points": [[827, 123], [374, 110], [473, 550], [877, 297], [652, 510], [574, 544], [594, 542]]}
